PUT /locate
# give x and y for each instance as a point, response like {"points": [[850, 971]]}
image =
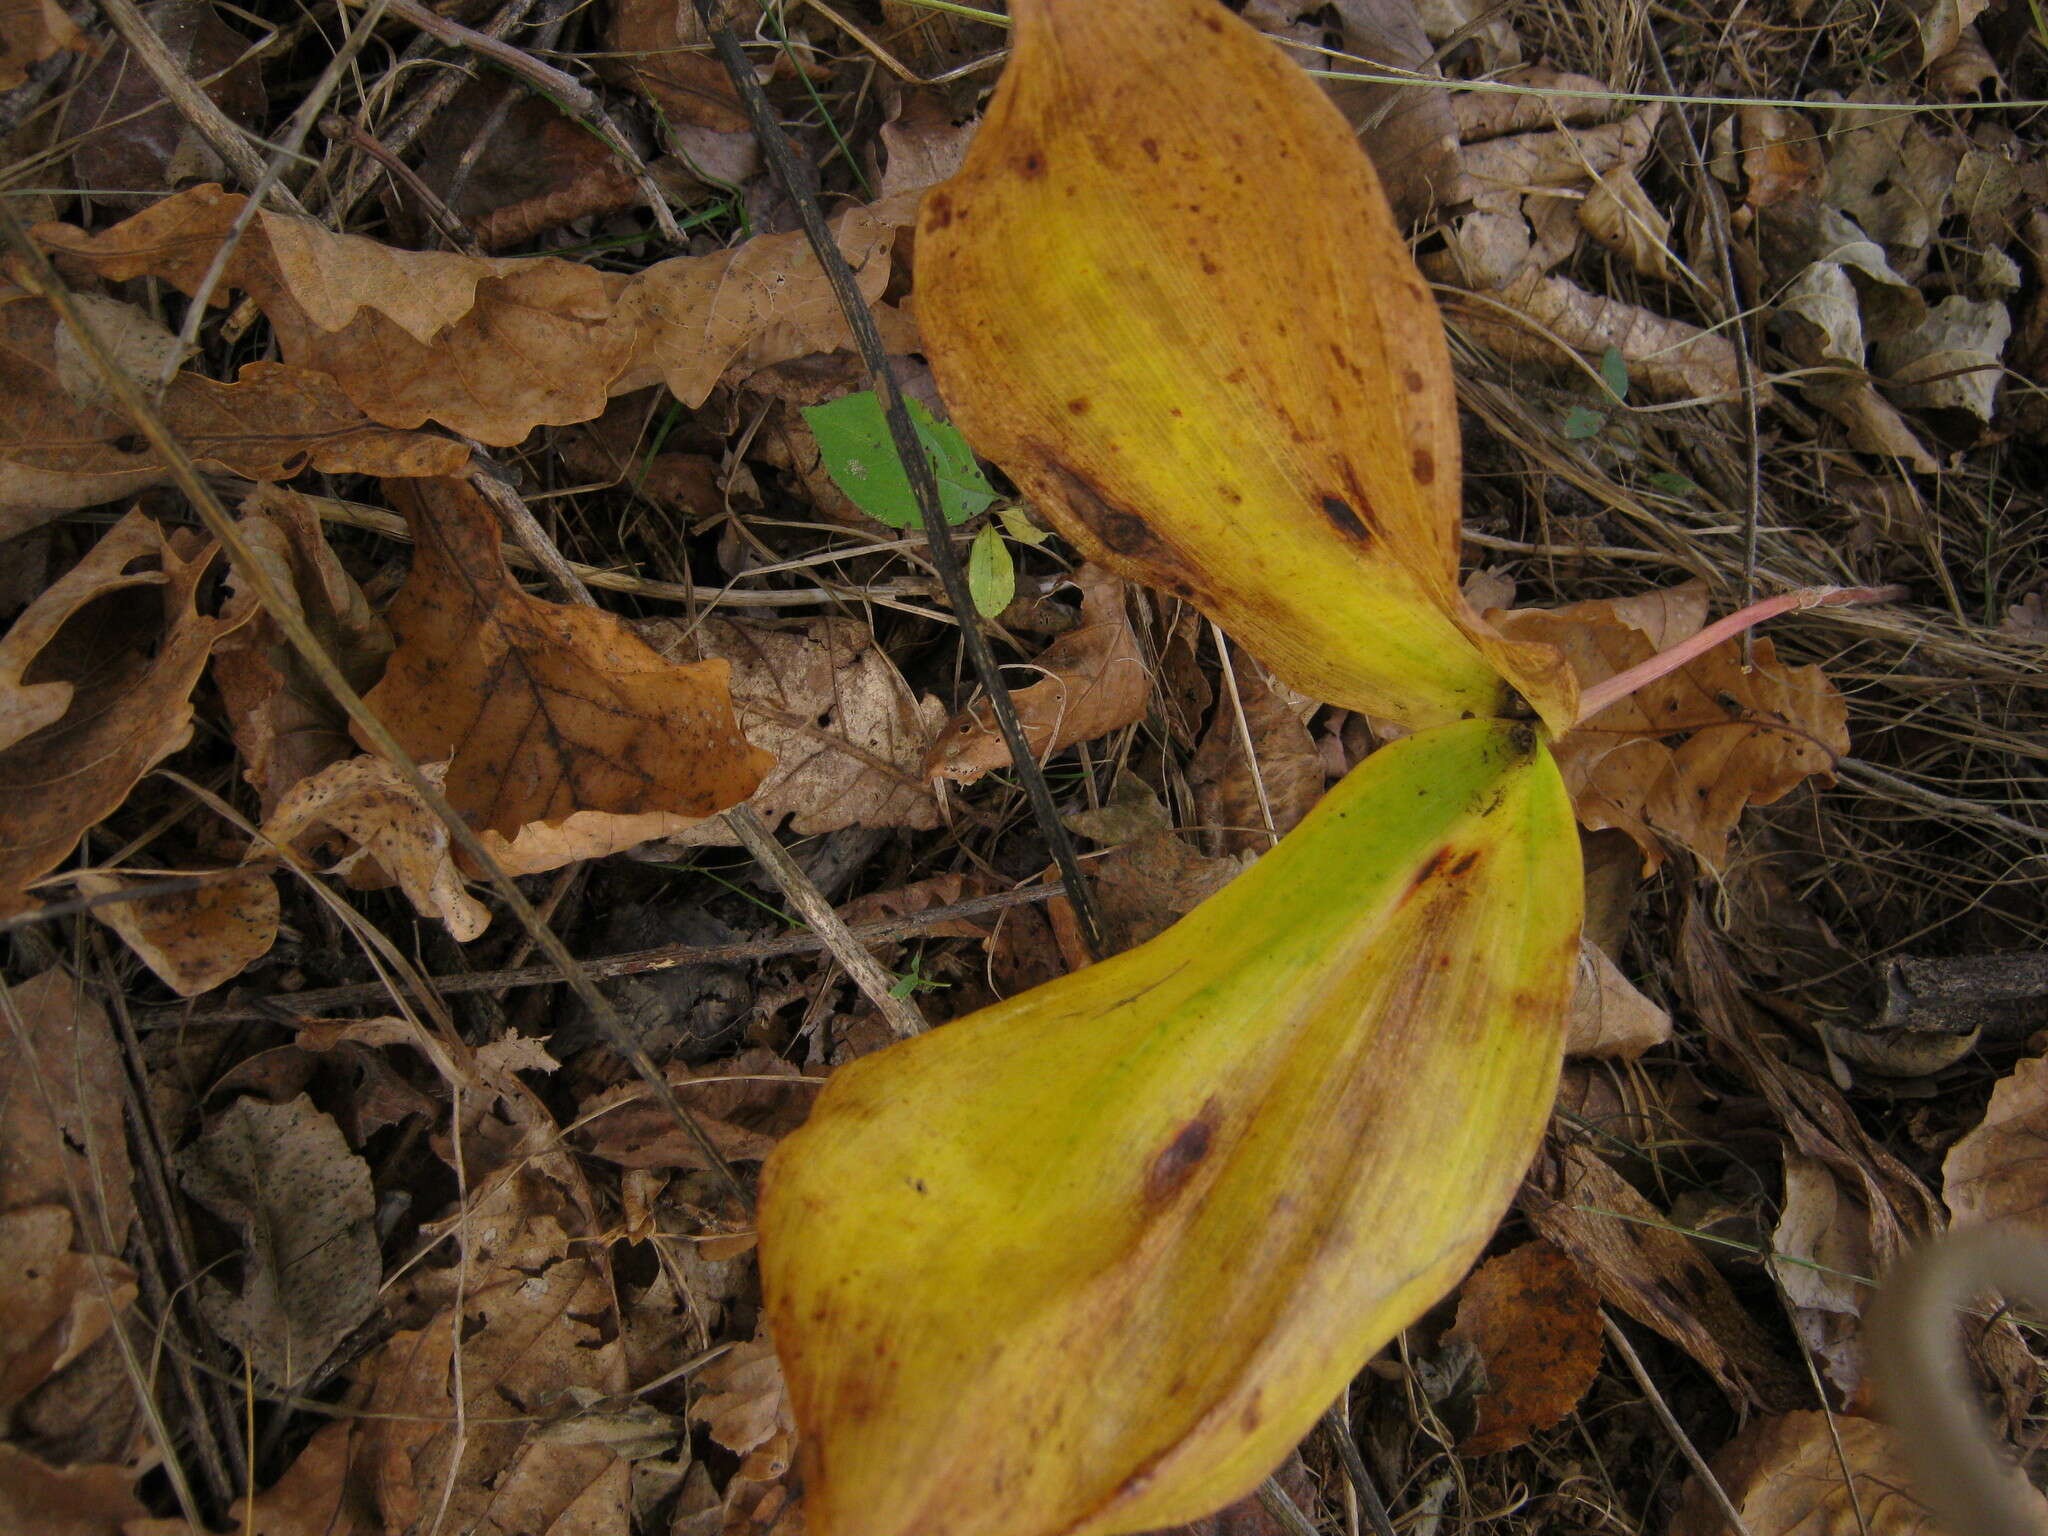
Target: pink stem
{"points": [[1622, 684]]}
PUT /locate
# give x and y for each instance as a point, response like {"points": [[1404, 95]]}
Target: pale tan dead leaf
{"points": [[1889, 172], [923, 142], [192, 940], [115, 647], [848, 734], [1635, 1259], [1782, 159], [30, 31], [922, 896], [283, 1175], [1619, 214], [1610, 1017], [1094, 682], [38, 1498], [285, 724], [744, 1398], [1942, 23], [1686, 753], [1486, 115], [745, 1104], [1227, 785], [2027, 619], [1560, 158], [495, 346], [1140, 888], [1536, 1325], [569, 735], [1484, 27], [1785, 1478], [1823, 1259], [65, 443], [1999, 1170], [1408, 130], [54, 1301], [1967, 72], [1953, 362], [1533, 316], [390, 833]]}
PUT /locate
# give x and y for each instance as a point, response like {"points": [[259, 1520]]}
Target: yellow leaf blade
{"points": [[1166, 295], [1093, 1259]]}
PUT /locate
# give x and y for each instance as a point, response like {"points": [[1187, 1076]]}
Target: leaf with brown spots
{"points": [[1536, 1326], [1209, 1176], [1093, 681], [65, 443], [96, 684], [1166, 295], [1683, 756], [568, 735]]}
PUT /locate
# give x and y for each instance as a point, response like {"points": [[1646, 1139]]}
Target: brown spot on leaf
{"points": [[1411, 381], [1032, 165], [1422, 465], [1078, 405], [1151, 148], [1345, 520], [1177, 1161], [938, 209]]}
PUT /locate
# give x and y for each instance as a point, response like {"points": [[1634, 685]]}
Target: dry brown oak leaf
{"points": [[192, 940], [1094, 682], [493, 347], [65, 443], [569, 737], [96, 683], [1683, 756], [30, 31]]}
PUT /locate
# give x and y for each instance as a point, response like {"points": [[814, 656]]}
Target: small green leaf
{"points": [[1614, 373], [1018, 525], [853, 438], [1582, 421], [991, 574], [1673, 485]]}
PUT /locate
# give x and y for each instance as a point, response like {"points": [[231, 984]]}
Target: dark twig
{"points": [[1356, 1471], [639, 962], [797, 181]]}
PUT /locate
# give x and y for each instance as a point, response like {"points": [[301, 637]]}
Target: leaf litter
{"points": [[1892, 264]]}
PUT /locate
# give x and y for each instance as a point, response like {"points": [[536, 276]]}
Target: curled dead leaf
{"points": [[567, 735], [1685, 754], [389, 835], [1094, 681], [1997, 1171], [494, 346], [65, 443]]}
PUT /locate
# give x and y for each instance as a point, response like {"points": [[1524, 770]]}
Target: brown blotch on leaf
{"points": [[1422, 465], [1078, 405], [1151, 148], [1345, 520], [1032, 164], [938, 209], [1411, 381], [1177, 1161]]}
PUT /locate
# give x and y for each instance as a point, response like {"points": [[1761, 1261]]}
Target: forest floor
{"points": [[1739, 300]]}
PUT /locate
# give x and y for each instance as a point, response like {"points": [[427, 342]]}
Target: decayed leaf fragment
{"points": [[1207, 1177], [1166, 295], [570, 736], [96, 686]]}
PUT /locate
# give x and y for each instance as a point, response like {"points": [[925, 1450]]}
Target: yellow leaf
{"points": [[1092, 1260], [1165, 294]]}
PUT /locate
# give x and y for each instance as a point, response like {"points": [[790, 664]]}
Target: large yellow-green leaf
{"points": [[1093, 1259], [1165, 294]]}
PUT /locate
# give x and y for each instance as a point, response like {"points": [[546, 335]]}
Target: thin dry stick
{"points": [[193, 104], [1662, 1409], [795, 179], [1281, 1506], [1355, 1469], [867, 973], [42, 279], [1709, 195], [1244, 729], [639, 962]]}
